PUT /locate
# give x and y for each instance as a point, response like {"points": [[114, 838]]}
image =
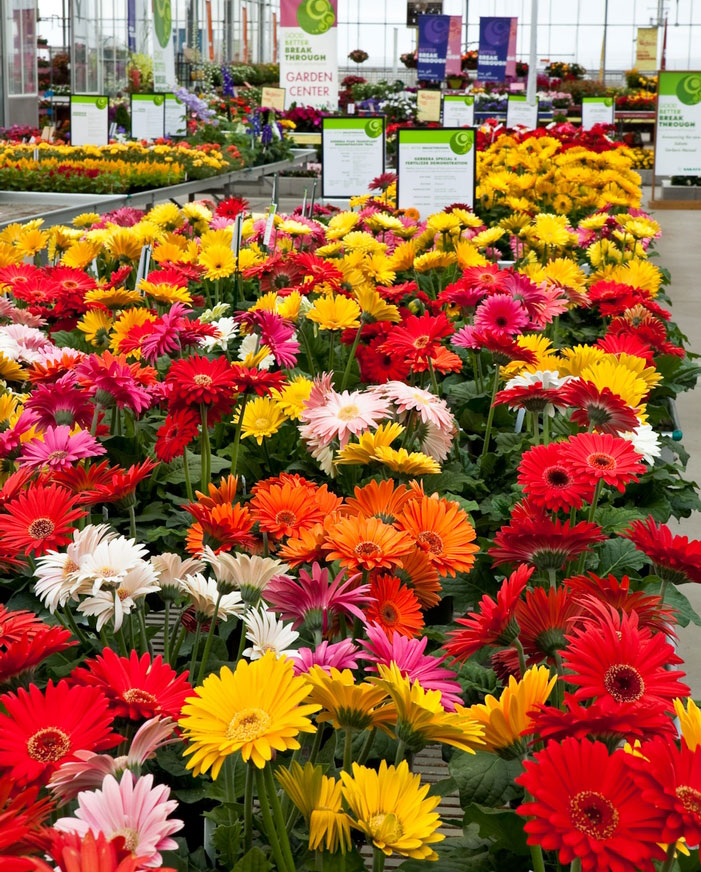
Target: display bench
{"points": [[68, 206]]}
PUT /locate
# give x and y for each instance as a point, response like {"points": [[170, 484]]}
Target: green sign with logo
{"points": [[678, 135], [315, 16]]}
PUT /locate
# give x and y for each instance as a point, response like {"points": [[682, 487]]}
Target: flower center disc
{"points": [[57, 455], [430, 541], [365, 549], [247, 725], [624, 682], [138, 695], [385, 828], [593, 814], [347, 413], [203, 380], [601, 461], [389, 613], [130, 836], [48, 745], [557, 477], [40, 528], [285, 517], [690, 798]]}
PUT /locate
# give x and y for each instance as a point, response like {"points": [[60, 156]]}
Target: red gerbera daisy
{"points": [[626, 342], [544, 617], [112, 381], [39, 520], [488, 278], [395, 608], [550, 481], [83, 480], [462, 294], [669, 780], [494, 623], [197, 381], [62, 402], [315, 271], [249, 380], [676, 559], [532, 398], [378, 367], [42, 729], [231, 207], [71, 852], [600, 456], [611, 655], [175, 434], [25, 641], [136, 687], [121, 483], [616, 592], [503, 347], [532, 537], [69, 279], [600, 409], [418, 337], [584, 805]]}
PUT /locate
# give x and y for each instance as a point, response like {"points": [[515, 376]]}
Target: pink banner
{"points": [[511, 50], [452, 61]]}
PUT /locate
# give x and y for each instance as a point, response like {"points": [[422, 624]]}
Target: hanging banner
{"points": [[511, 50], [519, 112], [458, 110], [646, 50], [147, 116], [131, 25], [175, 116], [352, 154], [163, 52], [434, 31], [453, 62], [495, 34], [597, 110], [434, 168], [309, 52], [678, 139], [89, 119]]}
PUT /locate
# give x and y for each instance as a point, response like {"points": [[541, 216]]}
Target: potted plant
{"points": [[409, 59], [358, 56]]}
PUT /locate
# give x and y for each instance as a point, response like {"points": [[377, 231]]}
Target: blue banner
{"points": [[493, 49], [434, 32], [131, 25]]}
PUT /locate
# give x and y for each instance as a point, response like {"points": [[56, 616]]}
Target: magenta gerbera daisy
{"points": [[59, 448], [502, 314]]}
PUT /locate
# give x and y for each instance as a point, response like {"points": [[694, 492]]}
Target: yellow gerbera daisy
{"points": [[125, 323], [173, 252], [86, 219], [335, 313], [113, 298], [640, 274], [552, 229], [262, 417], [80, 254], [294, 228], [468, 255], [124, 244], [166, 215], [487, 237], [443, 222], [96, 325], [32, 241], [402, 258], [10, 370], [507, 719], [689, 722], [341, 224], [291, 398], [434, 260], [375, 307], [345, 704], [578, 358], [258, 709], [618, 379], [165, 293], [400, 460], [218, 261], [391, 807], [318, 798], [364, 450]]}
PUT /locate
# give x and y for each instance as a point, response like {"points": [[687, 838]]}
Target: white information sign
{"points": [[597, 110], [89, 119], [678, 137], [458, 110], [353, 154], [435, 168], [147, 116], [175, 116], [163, 49], [521, 113]]}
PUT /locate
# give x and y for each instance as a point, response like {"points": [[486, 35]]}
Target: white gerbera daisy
{"points": [[248, 573], [204, 593], [112, 560], [266, 633], [112, 602], [645, 441]]}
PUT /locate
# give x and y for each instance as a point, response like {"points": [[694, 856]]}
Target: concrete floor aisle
{"points": [[680, 252]]}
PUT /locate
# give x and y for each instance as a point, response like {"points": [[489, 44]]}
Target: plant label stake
{"points": [[311, 205], [304, 204], [269, 224]]}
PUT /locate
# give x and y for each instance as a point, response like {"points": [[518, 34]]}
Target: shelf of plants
{"points": [[368, 493]]}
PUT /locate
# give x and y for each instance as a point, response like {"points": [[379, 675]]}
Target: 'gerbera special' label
{"points": [[308, 52], [678, 142], [435, 168]]}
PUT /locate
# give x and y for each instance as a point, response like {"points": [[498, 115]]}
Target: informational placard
{"points": [[678, 136], [352, 154], [434, 33], [273, 98], [428, 105], [646, 50], [162, 44], [597, 110], [309, 52], [521, 113], [175, 116], [493, 53], [147, 116], [435, 168], [89, 119], [458, 110]]}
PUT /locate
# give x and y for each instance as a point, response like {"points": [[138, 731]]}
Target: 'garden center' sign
{"points": [[678, 142], [435, 168], [309, 53]]}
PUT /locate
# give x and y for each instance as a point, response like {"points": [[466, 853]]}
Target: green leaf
{"points": [[461, 854], [685, 611], [466, 505], [615, 519], [619, 557], [253, 861], [501, 825], [484, 778], [226, 838]]}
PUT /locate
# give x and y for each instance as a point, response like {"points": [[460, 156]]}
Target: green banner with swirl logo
{"points": [[678, 145]]}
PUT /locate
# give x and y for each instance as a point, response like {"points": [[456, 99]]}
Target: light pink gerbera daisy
{"points": [[501, 313], [431, 409], [132, 808], [59, 449], [333, 415], [337, 655], [412, 661]]}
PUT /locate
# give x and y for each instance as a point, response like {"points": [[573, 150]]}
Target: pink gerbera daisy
{"points": [[59, 449], [111, 380], [339, 655], [132, 808], [61, 402], [333, 415], [274, 332], [501, 313], [430, 408]]}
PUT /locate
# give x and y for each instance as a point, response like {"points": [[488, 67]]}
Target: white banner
{"points": [[163, 51], [175, 116], [89, 119], [309, 53], [147, 116], [458, 110], [678, 140], [353, 154], [597, 110]]}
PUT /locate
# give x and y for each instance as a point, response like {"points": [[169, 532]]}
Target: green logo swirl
{"points": [[608, 101], [373, 127], [102, 102], [461, 142], [689, 90], [162, 21], [469, 100], [315, 16], [158, 99]]}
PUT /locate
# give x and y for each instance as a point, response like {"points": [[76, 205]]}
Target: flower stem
{"points": [[348, 750], [248, 807], [188, 483], [277, 816], [208, 643], [166, 632], [177, 643], [132, 522], [264, 803], [205, 450], [351, 358], [434, 381], [669, 859], [367, 747], [142, 627], [237, 436], [546, 428], [539, 863], [378, 861], [195, 646], [490, 416], [521, 656], [399, 756]]}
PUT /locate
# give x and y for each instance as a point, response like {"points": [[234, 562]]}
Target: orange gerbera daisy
{"points": [[328, 502], [367, 543], [305, 548], [395, 608], [418, 573], [443, 530], [284, 478], [222, 528], [224, 492], [285, 510], [379, 499]]}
